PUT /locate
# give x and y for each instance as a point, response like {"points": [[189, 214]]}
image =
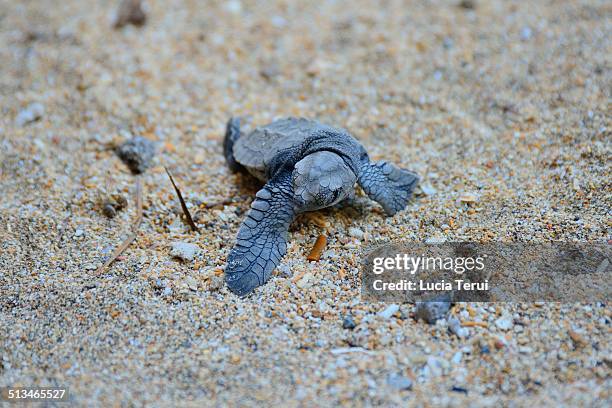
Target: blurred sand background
{"points": [[503, 107]]}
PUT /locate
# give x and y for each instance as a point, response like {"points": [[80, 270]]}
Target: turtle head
{"points": [[322, 179]]}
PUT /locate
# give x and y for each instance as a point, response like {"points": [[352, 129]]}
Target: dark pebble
{"points": [[137, 153], [113, 204], [109, 210], [433, 310], [130, 12], [348, 322], [467, 4]]}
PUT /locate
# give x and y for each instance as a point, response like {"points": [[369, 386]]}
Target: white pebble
{"points": [[457, 358], [455, 327], [33, 112], [306, 281], [184, 250], [233, 6], [356, 233], [504, 322], [427, 189], [278, 21], [191, 283], [526, 33], [436, 365], [284, 270], [389, 311], [399, 382]]}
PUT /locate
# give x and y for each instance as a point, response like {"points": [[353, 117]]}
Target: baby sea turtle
{"points": [[306, 166]]}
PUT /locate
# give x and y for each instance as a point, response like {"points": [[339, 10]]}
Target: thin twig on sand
{"points": [[221, 203], [132, 236], [183, 205]]}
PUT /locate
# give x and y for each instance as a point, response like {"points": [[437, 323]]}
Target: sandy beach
{"points": [[502, 107]]}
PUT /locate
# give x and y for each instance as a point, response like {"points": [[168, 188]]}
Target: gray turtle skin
{"points": [[305, 166]]}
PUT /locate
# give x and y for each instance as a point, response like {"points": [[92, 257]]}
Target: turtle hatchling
{"points": [[305, 166]]}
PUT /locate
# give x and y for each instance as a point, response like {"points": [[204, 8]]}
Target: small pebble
{"points": [[348, 322], [32, 113], [269, 72], [233, 6], [436, 365], [191, 283], [112, 204], [389, 311], [278, 21], [215, 283], [467, 4], [499, 343], [284, 270], [504, 323], [434, 310], [306, 281], [468, 198], [137, 153], [356, 233], [108, 210], [454, 325], [130, 12], [184, 251], [427, 189], [399, 382], [457, 357], [526, 33]]}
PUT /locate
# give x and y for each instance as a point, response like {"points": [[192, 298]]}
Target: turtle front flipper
{"points": [[262, 238], [388, 185]]}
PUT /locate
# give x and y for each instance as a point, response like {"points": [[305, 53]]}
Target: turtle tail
{"points": [[232, 134]]}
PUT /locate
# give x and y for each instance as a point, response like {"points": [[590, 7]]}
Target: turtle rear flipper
{"points": [[262, 238], [388, 185], [232, 134]]}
